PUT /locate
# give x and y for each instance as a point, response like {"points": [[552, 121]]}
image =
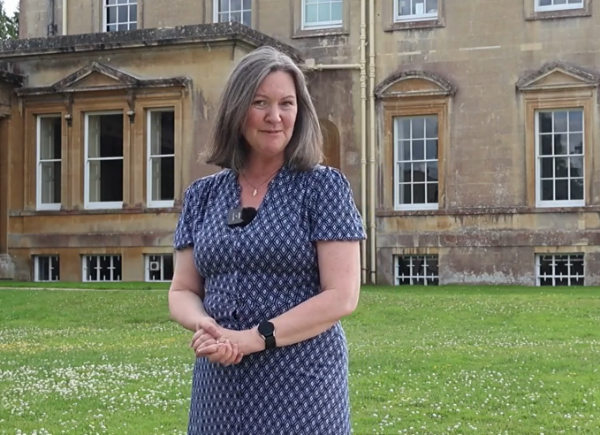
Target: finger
{"points": [[216, 356], [208, 350], [203, 339], [228, 354], [232, 354], [213, 330], [196, 336], [239, 355]]}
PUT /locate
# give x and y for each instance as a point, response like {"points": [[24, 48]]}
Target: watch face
{"points": [[266, 328]]}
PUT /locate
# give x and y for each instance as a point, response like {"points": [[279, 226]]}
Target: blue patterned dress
{"points": [[256, 273]]}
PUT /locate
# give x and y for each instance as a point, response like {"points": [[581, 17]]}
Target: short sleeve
{"points": [[333, 213], [184, 234]]}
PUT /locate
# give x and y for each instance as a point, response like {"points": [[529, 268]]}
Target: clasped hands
{"points": [[221, 345]]}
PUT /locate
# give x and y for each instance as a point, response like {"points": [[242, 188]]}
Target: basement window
{"points": [[104, 160], [46, 268], [416, 270], [102, 268], [159, 267], [560, 270], [161, 158]]}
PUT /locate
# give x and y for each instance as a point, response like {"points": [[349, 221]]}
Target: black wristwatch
{"points": [[267, 332]]}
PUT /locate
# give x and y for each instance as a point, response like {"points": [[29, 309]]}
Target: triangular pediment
{"points": [[558, 75], [414, 84], [96, 75], [96, 79]]}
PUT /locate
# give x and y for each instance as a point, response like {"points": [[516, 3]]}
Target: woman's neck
{"points": [[260, 167]]}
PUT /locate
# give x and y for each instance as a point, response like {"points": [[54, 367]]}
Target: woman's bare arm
{"points": [[186, 291]]}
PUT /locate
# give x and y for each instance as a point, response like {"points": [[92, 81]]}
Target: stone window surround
{"points": [[134, 148], [535, 95], [416, 102], [390, 24]]}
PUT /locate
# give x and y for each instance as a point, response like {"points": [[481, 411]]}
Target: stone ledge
{"points": [[101, 41]]}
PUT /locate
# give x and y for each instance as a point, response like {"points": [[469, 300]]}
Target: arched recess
{"points": [[331, 144]]}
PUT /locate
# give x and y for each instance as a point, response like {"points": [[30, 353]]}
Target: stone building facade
{"points": [[467, 130]]}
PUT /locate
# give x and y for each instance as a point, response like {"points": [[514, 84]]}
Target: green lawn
{"points": [[450, 360]]}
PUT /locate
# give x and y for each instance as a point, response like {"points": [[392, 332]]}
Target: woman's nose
{"points": [[273, 114]]}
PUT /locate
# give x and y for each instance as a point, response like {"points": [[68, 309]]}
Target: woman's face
{"points": [[270, 120]]}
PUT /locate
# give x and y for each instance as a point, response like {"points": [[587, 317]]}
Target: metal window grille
{"points": [[560, 270], [417, 270]]}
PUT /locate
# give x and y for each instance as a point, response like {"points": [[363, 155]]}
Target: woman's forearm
{"points": [[312, 317], [186, 308]]}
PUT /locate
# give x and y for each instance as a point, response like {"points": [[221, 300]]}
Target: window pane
{"points": [[576, 121], [133, 13], [236, 17], [576, 167], [432, 127], [311, 13], [418, 128], [432, 150], [404, 129], [168, 267], [432, 6], [547, 166], [432, 171], [404, 172], [560, 144], [247, 19], [50, 183], [562, 190], [546, 145], [418, 150], [560, 122], [419, 193], [419, 171], [111, 15], [432, 193], [50, 138], [405, 193], [105, 137], [336, 11], [404, 153], [547, 190], [324, 12], [418, 7], [545, 122], [561, 167], [163, 178], [577, 189], [576, 143]]}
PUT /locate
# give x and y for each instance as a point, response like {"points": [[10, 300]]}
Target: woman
{"points": [[264, 293]]}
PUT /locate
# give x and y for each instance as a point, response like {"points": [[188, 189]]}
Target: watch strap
{"points": [[270, 342]]}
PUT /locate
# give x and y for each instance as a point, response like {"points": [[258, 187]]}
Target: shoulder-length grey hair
{"points": [[226, 146]]}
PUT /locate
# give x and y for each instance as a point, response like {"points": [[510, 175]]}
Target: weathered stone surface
{"points": [[7, 267]]}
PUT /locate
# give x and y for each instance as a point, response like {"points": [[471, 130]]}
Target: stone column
{"points": [[7, 266]]}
